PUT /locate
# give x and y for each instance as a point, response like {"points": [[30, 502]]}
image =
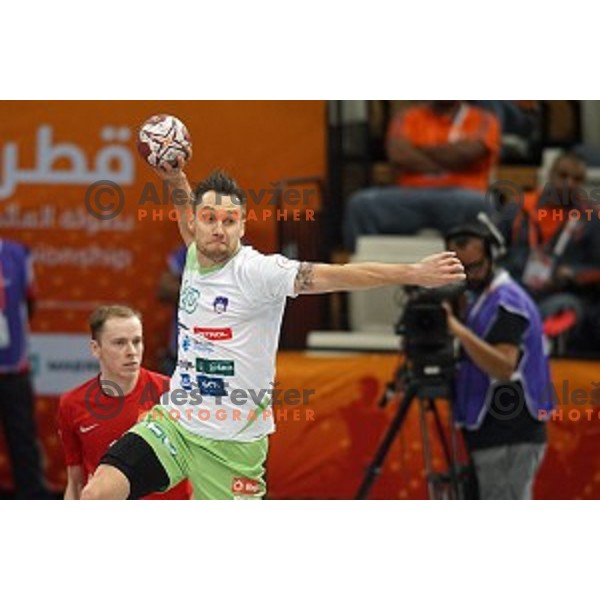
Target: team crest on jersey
{"points": [[220, 304], [188, 301]]}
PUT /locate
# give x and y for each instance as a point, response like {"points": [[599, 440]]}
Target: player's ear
{"points": [[95, 348], [242, 225]]}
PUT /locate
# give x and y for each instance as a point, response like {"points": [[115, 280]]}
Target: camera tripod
{"points": [[441, 485]]}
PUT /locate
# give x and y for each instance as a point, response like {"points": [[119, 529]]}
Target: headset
{"points": [[483, 229]]}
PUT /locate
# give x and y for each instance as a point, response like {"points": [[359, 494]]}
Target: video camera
{"points": [[428, 345]]}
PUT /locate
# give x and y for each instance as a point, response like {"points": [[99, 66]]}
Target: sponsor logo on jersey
{"points": [[211, 386], [215, 367], [186, 382], [85, 429], [161, 435], [204, 346], [244, 486], [188, 299], [182, 326], [220, 304], [186, 343], [215, 334], [186, 365]]}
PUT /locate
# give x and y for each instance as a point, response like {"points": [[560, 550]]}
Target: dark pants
{"points": [[17, 416], [397, 210]]}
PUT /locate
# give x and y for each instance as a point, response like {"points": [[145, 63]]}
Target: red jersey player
{"points": [[97, 413]]}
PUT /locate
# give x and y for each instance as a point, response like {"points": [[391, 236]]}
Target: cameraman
{"points": [[503, 378]]}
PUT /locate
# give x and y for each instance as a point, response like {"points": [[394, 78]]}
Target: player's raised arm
{"points": [[181, 196], [165, 144], [435, 270]]}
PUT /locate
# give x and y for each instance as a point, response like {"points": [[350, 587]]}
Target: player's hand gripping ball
{"points": [[162, 140]]}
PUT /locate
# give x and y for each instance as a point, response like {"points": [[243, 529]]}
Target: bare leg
{"points": [[107, 483]]}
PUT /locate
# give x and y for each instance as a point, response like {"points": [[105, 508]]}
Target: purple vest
{"points": [[474, 387], [15, 285]]}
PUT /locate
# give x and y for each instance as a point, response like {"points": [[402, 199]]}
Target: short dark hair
{"points": [[107, 311], [223, 184], [463, 240], [462, 235]]}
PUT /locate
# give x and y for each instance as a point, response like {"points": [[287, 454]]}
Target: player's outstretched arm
{"points": [[434, 271], [181, 196]]}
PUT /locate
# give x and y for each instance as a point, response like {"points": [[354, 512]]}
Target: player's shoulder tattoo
{"points": [[305, 277]]}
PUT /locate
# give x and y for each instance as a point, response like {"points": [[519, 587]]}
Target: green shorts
{"points": [[217, 470]]}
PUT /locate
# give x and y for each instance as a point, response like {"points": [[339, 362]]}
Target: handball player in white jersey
{"points": [[213, 425]]}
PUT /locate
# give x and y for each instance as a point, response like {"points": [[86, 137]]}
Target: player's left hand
{"points": [[169, 172], [439, 270]]}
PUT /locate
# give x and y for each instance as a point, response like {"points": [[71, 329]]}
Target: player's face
{"points": [[218, 227], [119, 348]]}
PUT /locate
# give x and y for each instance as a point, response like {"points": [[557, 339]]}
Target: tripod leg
{"points": [[450, 450], [424, 406], [440, 431], [374, 468], [457, 469]]}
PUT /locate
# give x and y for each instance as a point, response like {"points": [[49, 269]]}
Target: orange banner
{"points": [[53, 156], [326, 457], [65, 163]]}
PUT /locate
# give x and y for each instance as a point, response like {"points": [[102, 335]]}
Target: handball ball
{"points": [[162, 139]]}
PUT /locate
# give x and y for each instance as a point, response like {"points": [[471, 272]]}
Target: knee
{"points": [[91, 491], [108, 483], [359, 200]]}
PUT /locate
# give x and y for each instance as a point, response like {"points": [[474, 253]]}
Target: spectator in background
{"points": [[168, 293], [521, 125], [98, 412], [555, 256], [518, 117], [17, 411], [443, 153]]}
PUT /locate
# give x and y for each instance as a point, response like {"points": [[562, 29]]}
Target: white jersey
{"points": [[229, 321]]}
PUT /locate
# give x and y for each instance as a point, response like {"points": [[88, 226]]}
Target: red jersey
{"points": [[89, 421]]}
